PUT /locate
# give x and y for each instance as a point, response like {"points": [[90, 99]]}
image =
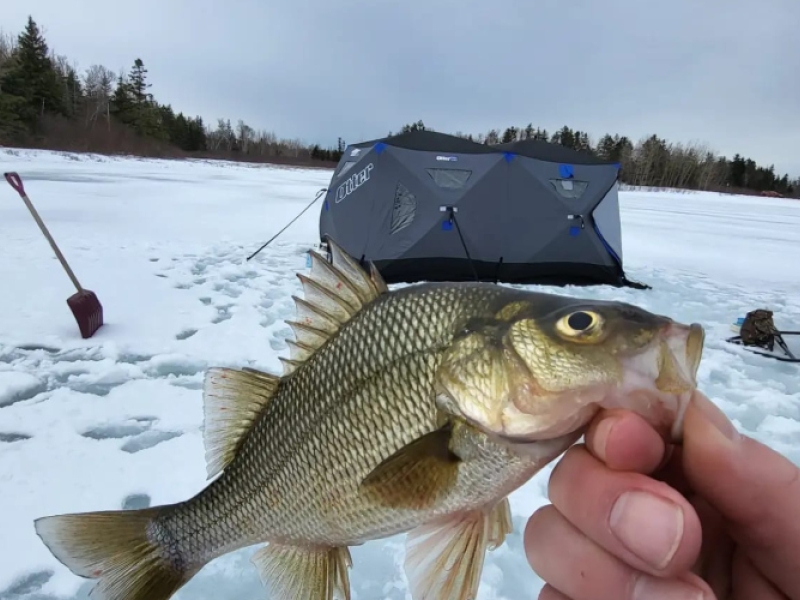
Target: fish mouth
{"points": [[659, 383], [680, 352]]}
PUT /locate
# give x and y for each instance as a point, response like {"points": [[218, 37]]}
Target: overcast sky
{"points": [[726, 72]]}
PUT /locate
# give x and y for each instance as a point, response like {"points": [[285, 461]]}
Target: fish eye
{"points": [[581, 325], [580, 321]]}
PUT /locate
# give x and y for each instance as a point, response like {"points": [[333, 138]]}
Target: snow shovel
{"points": [[85, 306]]}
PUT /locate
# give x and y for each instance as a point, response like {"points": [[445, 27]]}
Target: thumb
{"points": [[755, 489]]}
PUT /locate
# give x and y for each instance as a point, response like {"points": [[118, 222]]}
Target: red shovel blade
{"points": [[88, 312]]}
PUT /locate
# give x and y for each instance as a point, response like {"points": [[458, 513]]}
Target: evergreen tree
{"points": [[418, 126], [528, 132], [564, 136], [134, 106], [197, 136], [73, 92], [122, 105], [12, 111], [540, 135], [510, 135], [737, 171], [605, 147], [32, 76], [138, 83]]}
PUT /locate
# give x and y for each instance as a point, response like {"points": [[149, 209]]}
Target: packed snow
{"points": [[115, 421]]}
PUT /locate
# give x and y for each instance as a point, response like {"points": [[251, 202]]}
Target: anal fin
{"points": [[232, 401], [444, 559], [304, 573]]}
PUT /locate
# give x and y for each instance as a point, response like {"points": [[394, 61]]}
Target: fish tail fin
{"points": [[119, 549]]}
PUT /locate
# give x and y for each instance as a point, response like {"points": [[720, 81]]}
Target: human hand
{"points": [[718, 518]]}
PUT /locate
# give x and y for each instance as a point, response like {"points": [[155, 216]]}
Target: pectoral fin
{"points": [[444, 559], [418, 474], [297, 573]]}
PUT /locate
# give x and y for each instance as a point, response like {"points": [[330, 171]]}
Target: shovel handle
{"points": [[15, 182]]}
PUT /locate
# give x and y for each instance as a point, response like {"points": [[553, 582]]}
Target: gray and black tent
{"points": [[425, 206]]}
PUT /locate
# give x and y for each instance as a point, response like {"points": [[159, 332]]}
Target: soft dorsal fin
{"points": [[232, 401], [332, 294]]}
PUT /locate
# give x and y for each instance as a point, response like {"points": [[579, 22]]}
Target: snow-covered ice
{"points": [[115, 421]]}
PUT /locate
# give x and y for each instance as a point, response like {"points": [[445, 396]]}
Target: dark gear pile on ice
{"points": [[758, 330]]}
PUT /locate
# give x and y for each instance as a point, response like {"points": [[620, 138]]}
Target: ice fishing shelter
{"points": [[426, 206]]}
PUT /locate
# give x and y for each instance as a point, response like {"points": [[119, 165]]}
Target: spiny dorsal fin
{"points": [[377, 279], [289, 365], [308, 335], [333, 293], [232, 401]]}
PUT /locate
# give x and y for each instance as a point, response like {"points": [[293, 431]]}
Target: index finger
{"points": [[624, 441]]}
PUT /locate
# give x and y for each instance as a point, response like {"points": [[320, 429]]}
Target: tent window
{"points": [[570, 188], [450, 179], [346, 167], [405, 207]]}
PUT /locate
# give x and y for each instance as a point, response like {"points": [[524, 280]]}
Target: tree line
{"points": [[653, 161], [46, 103]]}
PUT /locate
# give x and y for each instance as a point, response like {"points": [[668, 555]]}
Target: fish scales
{"points": [[417, 410], [362, 397]]}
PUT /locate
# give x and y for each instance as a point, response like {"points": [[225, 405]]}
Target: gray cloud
{"points": [[722, 71]]}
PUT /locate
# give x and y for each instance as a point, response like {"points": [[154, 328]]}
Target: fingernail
{"points": [[601, 434], [653, 588], [649, 526], [715, 416]]}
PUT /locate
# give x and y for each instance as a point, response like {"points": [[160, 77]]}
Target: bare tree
{"points": [[493, 137], [221, 138], [8, 45], [245, 135], [99, 84]]}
